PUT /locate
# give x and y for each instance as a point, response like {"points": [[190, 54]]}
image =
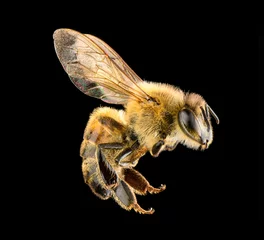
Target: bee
{"points": [[155, 117]]}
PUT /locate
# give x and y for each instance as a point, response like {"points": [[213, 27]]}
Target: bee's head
{"points": [[194, 121]]}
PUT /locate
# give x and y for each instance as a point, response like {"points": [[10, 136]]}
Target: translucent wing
{"points": [[96, 69]]}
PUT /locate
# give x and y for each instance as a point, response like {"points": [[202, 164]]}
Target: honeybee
{"points": [[156, 117]]}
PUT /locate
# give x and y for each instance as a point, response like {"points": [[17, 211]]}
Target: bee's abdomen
{"points": [[87, 150]]}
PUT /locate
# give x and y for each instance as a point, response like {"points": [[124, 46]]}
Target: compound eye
{"points": [[188, 122]]}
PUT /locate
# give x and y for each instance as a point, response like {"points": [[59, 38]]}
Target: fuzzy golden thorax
{"points": [[157, 123]]}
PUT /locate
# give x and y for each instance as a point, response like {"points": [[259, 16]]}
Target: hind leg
{"points": [[97, 172]]}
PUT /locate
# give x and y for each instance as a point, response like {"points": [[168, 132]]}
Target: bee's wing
{"points": [[96, 69]]}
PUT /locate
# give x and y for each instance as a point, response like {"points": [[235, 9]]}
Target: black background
{"points": [[218, 184]]}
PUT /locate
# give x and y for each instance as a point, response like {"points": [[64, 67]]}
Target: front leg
{"points": [[126, 152]]}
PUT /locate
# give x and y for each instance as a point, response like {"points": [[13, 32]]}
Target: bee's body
{"points": [[156, 117]]}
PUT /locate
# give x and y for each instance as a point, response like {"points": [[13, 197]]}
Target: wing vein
{"points": [[131, 79], [96, 69]]}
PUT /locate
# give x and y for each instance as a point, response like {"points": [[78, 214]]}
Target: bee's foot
{"points": [[140, 210], [156, 190]]}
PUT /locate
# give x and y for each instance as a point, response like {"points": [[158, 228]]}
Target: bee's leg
{"points": [[122, 193], [111, 145], [126, 198], [126, 152], [108, 174], [100, 182], [140, 183]]}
